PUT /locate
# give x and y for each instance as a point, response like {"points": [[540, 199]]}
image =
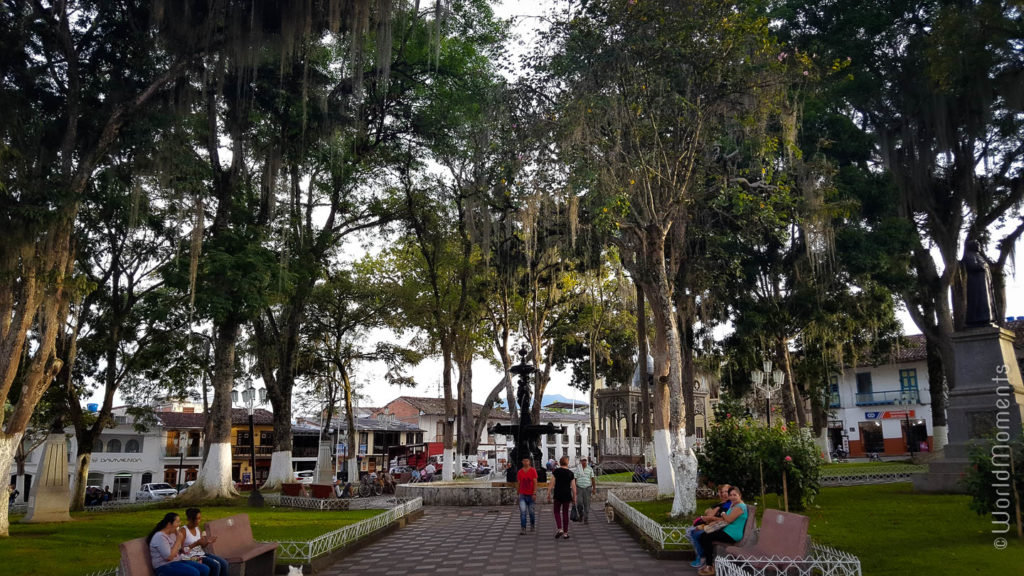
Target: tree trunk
{"points": [[8, 445], [782, 352], [352, 462], [645, 384], [449, 411], [83, 460], [468, 443], [214, 480]]}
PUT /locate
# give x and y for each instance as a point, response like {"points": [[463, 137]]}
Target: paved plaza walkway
{"points": [[482, 540]]}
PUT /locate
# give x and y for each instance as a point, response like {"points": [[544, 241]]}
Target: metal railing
{"points": [[870, 474], [822, 560], [244, 451], [630, 445], [884, 397], [657, 533], [306, 551]]}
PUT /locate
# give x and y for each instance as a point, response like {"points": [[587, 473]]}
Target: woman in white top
{"points": [[165, 544], [196, 542]]}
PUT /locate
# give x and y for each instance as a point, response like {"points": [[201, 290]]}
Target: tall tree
{"points": [[657, 98], [936, 86], [65, 111]]}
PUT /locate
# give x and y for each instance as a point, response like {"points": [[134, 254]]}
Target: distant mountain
{"points": [[550, 398]]}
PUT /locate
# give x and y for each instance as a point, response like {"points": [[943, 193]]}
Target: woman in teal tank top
{"points": [[730, 534]]}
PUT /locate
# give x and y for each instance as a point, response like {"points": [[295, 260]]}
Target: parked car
{"points": [[304, 477], [156, 491]]}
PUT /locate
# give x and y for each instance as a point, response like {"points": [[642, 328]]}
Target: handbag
{"points": [[574, 513], [715, 526]]}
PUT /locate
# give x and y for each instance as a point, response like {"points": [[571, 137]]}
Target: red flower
{"points": [[789, 458]]}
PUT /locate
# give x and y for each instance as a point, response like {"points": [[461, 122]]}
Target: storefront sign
{"points": [[112, 460], [889, 415]]}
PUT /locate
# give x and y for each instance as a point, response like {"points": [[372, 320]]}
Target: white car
{"points": [[156, 491], [304, 477]]}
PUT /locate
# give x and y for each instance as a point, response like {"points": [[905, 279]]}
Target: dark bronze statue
{"points": [[980, 297]]}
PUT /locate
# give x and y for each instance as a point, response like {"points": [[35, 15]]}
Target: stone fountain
{"points": [[526, 433]]}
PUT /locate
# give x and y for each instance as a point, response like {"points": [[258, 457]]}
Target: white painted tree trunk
{"points": [[684, 462], [940, 437], [449, 465], [280, 470], [353, 470], [8, 446], [663, 460], [822, 443], [214, 480]]}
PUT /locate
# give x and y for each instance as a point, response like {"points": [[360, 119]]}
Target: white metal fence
{"points": [[662, 535], [822, 561], [306, 551], [882, 474]]}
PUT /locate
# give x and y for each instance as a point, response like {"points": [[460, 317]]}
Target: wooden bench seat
{"points": [[322, 490], [291, 489], [135, 558], [236, 545], [749, 532], [782, 535]]}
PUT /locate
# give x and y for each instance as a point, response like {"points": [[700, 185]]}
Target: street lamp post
{"points": [[250, 397], [768, 382], [905, 401], [181, 457], [385, 419]]}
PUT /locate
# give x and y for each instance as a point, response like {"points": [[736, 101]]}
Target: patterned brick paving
{"points": [[486, 540]]}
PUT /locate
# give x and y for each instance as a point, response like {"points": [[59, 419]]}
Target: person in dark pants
{"points": [[731, 533], [564, 492]]}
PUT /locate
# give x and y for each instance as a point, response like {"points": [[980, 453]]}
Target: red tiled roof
{"points": [[436, 405], [239, 416], [912, 348]]}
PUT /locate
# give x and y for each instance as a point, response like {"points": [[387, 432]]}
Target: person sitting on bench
{"points": [[640, 474], [732, 532]]}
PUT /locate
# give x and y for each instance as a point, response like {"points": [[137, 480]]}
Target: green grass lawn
{"points": [[89, 543], [838, 467], [617, 477], [895, 531]]}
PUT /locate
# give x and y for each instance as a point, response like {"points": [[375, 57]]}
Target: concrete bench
{"points": [[782, 536], [322, 490], [236, 545], [290, 489], [135, 559]]}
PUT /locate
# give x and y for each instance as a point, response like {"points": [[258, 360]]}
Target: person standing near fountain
{"points": [[564, 494], [526, 483]]}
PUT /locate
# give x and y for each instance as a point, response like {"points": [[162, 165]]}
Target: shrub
{"points": [[736, 449], [993, 485]]}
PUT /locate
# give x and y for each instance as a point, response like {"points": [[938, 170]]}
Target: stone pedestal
{"points": [[51, 490], [989, 397], [324, 465]]}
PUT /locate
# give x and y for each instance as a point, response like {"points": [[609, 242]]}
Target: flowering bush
{"points": [[736, 449]]}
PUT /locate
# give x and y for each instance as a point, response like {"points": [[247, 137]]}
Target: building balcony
{"points": [[176, 453], [833, 400], [886, 397], [246, 451]]}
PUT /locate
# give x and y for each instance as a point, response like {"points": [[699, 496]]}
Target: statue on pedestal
{"points": [[980, 297]]}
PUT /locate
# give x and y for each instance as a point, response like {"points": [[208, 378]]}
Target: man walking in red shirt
{"points": [[526, 483]]}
